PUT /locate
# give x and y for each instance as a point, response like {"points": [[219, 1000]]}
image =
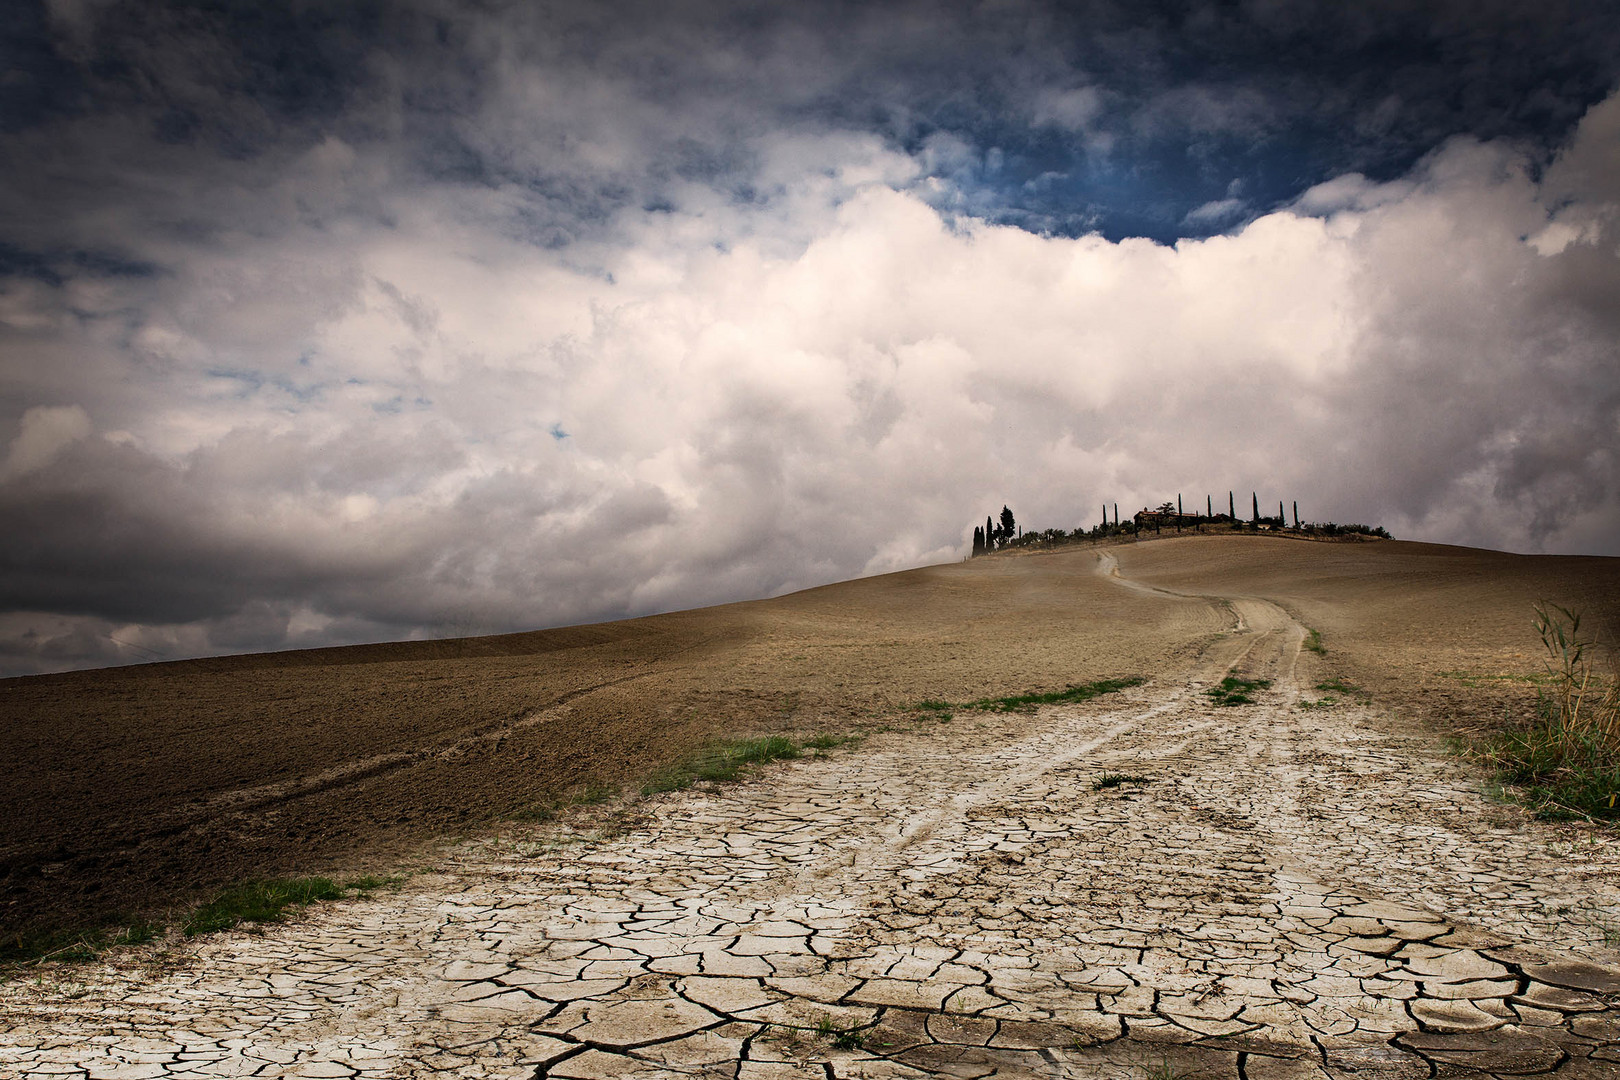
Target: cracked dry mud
{"points": [[1290, 893]]}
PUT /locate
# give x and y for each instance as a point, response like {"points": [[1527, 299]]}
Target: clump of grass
{"points": [[365, 886], [1114, 780], [1337, 685], [830, 742], [594, 793], [1236, 691], [77, 945], [1320, 703], [721, 762], [258, 902], [251, 902], [1313, 642], [139, 932], [590, 793], [850, 1038], [1564, 764], [1070, 694]]}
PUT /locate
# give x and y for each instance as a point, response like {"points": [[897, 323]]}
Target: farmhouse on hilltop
{"points": [[1162, 518]]}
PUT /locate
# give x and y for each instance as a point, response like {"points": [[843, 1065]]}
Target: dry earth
{"points": [[1288, 891], [163, 782]]}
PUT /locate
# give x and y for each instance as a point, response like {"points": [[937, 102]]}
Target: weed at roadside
{"points": [[1313, 642], [1564, 764]]}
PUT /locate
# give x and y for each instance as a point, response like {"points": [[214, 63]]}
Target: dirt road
{"points": [[1287, 889]]}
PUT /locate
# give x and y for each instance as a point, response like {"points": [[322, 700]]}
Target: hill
{"points": [[147, 785]]}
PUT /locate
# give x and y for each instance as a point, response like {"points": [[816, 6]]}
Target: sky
{"points": [[335, 322]]}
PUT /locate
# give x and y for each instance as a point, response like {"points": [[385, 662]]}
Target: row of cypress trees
{"points": [[994, 534]]}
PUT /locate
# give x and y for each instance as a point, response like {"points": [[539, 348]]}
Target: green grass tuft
{"points": [[255, 902], [77, 945], [850, 1038], [1339, 686], [258, 902], [1235, 691], [830, 742], [1027, 702], [594, 793], [365, 886], [1313, 642], [722, 762]]}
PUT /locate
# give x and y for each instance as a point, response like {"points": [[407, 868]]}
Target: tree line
{"points": [[1001, 532]]}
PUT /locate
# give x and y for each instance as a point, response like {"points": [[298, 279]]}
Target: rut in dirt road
{"points": [[1284, 891]]}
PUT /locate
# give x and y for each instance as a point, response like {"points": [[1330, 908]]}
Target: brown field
{"points": [[133, 789]]}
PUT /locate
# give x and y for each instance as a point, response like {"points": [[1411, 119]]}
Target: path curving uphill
{"points": [[1285, 889]]}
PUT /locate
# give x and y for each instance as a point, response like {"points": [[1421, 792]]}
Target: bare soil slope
{"points": [[137, 787], [142, 786], [1442, 633]]}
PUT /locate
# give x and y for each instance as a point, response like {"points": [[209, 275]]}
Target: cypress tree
{"points": [[1256, 496], [1296, 513], [1231, 507], [1282, 517], [1209, 506]]}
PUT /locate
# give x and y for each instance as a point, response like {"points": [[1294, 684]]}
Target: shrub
{"points": [[1566, 761]]}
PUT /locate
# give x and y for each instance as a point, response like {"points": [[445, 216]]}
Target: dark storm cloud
{"points": [[334, 322], [1121, 117]]}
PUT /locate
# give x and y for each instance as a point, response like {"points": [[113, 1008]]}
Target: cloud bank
{"points": [[596, 360]]}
